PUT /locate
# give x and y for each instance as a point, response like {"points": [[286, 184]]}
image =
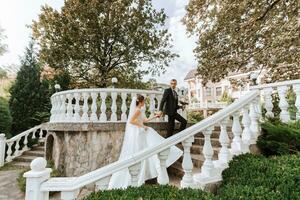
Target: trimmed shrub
{"points": [[279, 139], [194, 117], [149, 192], [256, 177]]}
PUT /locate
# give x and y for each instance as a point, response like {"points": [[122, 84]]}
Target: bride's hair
{"points": [[139, 99]]}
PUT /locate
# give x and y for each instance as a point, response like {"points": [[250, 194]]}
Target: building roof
{"points": [[191, 74]]}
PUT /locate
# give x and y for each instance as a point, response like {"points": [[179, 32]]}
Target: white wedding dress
{"points": [[135, 140]]}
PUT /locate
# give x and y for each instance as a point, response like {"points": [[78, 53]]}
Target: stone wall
{"points": [[78, 148]]}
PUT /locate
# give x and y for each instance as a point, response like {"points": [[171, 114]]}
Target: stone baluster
{"points": [[236, 145], [246, 134], [41, 133], [2, 149], [103, 117], [224, 154], [152, 105], [25, 148], [9, 152], [254, 128], [62, 113], [102, 184], [77, 97], [17, 148], [85, 108], [268, 102], [208, 170], [134, 171], [113, 116], [187, 164], [163, 177], [94, 117], [124, 107], [283, 104], [159, 97], [296, 89], [69, 108]]}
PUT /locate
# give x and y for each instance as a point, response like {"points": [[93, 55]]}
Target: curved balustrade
{"points": [[99, 105], [281, 88], [15, 146]]}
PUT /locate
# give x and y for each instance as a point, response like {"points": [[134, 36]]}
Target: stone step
{"points": [[35, 153], [200, 141], [198, 149], [39, 148], [24, 158], [21, 164]]}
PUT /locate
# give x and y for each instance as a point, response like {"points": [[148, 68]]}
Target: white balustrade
{"points": [[134, 172], [268, 102], [187, 164], [2, 149], [246, 135], [224, 155], [296, 88], [102, 184], [236, 145], [283, 104], [163, 177], [254, 126], [76, 111]]}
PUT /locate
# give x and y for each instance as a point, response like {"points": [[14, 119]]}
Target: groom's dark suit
{"points": [[169, 105]]}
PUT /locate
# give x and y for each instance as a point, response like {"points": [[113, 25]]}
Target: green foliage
{"points": [[3, 47], [194, 116], [3, 74], [30, 97], [5, 118], [245, 35], [278, 138], [226, 98], [252, 177], [96, 40], [149, 192]]}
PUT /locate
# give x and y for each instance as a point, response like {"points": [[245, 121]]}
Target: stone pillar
{"points": [[34, 179]]}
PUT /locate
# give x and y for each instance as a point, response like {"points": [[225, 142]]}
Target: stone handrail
{"points": [[69, 187], [245, 133], [14, 147], [90, 105], [267, 90]]}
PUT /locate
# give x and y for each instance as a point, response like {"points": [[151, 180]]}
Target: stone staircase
{"points": [[37, 150], [196, 152]]}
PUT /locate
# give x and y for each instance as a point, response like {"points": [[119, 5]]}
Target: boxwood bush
{"points": [[279, 139]]}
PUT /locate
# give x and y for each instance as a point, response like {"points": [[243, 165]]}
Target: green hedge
{"points": [[279, 139], [249, 177], [194, 116]]}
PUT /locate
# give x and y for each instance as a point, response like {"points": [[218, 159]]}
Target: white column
{"points": [[236, 145], [268, 102], [163, 177], [224, 154], [62, 113], [296, 89], [254, 116], [134, 171], [113, 116], [9, 152], [25, 147], [208, 171], [85, 108], [246, 135], [124, 107], [103, 117], [69, 108], [34, 179], [69, 195], [2, 149], [283, 104], [94, 117], [152, 105], [77, 96], [102, 184], [187, 164], [53, 109]]}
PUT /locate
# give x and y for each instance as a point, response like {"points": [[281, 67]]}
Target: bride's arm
{"points": [[149, 119], [134, 120]]}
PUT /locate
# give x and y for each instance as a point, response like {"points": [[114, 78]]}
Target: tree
{"points": [[30, 99], [245, 35], [94, 40], [5, 117], [3, 74], [2, 46]]}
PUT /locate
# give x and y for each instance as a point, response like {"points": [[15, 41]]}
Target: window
{"points": [[208, 91], [218, 91]]}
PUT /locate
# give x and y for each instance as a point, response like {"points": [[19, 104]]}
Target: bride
{"points": [[138, 137]]}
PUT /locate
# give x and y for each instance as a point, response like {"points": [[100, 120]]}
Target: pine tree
{"points": [[30, 98]]}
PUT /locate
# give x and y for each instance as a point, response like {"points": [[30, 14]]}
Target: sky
{"points": [[16, 15]]}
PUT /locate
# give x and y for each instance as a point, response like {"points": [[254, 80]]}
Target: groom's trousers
{"points": [[171, 123]]}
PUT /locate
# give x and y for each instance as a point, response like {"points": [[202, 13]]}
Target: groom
{"points": [[169, 104]]}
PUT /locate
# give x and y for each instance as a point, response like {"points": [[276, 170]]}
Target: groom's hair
{"points": [[173, 80]]}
